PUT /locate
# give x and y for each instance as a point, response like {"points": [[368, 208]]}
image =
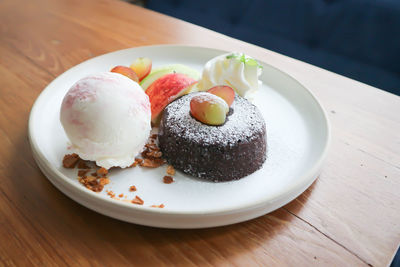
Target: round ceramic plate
{"points": [[297, 137]]}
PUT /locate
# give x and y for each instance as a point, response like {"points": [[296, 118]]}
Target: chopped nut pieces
{"points": [[132, 188], [104, 180], [82, 173], [91, 183], [158, 206], [168, 179], [82, 165], [151, 151], [133, 165], [97, 180], [110, 193], [151, 146], [102, 171], [170, 170], [136, 162], [70, 160], [151, 156], [152, 163], [138, 201]]}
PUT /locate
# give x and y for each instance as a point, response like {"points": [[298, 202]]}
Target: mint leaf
{"points": [[245, 60], [251, 62]]}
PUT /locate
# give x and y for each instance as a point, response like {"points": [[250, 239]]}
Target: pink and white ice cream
{"points": [[107, 117]]}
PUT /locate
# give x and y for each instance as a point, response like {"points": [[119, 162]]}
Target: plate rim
{"points": [[293, 190]]}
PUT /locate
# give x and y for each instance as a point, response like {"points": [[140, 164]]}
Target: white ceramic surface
{"points": [[297, 137]]}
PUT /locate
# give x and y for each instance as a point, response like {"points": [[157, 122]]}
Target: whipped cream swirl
{"points": [[238, 71]]}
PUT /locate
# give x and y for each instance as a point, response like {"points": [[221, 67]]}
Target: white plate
{"points": [[297, 137]]}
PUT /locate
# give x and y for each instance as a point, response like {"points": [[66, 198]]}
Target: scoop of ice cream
{"points": [[106, 117], [235, 70]]}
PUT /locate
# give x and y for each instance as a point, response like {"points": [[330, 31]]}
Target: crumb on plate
{"points": [[168, 179], [132, 188], [158, 206], [137, 201], [70, 160]]}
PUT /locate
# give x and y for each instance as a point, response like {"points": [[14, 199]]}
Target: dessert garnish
{"points": [[95, 184], [110, 193], [158, 206], [82, 173], [132, 188], [142, 67], [168, 179], [245, 59], [70, 160], [82, 164], [225, 92], [102, 171], [151, 155], [126, 71], [238, 71], [170, 170], [164, 84], [95, 181], [137, 200], [209, 108], [159, 72], [165, 90]]}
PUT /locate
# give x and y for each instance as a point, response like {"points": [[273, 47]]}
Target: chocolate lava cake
{"points": [[218, 153]]}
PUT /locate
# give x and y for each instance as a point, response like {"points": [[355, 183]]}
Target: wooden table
{"points": [[349, 217]]}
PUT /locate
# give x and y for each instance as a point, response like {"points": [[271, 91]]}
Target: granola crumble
{"points": [[158, 206], [104, 180], [82, 165], [91, 183], [138, 201], [152, 163], [82, 173], [170, 170], [102, 171], [70, 160], [168, 179], [132, 188]]}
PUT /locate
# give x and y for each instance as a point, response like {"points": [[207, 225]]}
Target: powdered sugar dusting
{"points": [[207, 97], [240, 126]]}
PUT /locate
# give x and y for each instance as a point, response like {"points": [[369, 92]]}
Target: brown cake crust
{"points": [[217, 153]]}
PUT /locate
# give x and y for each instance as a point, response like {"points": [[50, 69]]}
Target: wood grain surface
{"points": [[349, 217]]}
